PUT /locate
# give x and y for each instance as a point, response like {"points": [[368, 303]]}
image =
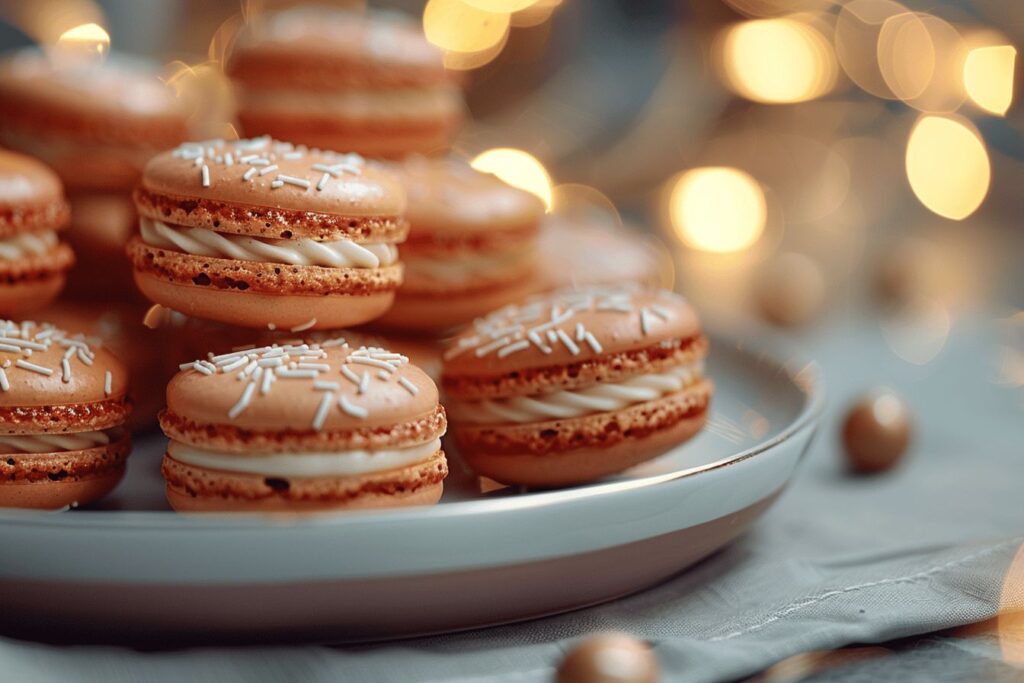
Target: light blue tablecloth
{"points": [[839, 560]]}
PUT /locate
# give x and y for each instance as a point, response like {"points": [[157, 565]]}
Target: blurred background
{"points": [[796, 160]]}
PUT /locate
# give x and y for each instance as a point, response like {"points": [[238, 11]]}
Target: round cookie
{"points": [[471, 246], [335, 79], [576, 253], [301, 427], [63, 401], [33, 261], [260, 233], [569, 387]]}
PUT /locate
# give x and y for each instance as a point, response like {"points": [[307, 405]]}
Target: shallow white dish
{"points": [[136, 571]]}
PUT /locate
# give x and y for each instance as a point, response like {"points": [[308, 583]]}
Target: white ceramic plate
{"points": [[134, 570]]}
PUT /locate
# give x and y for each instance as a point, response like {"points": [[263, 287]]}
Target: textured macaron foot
{"points": [[305, 426], [63, 404], [263, 234], [577, 385], [33, 261]]}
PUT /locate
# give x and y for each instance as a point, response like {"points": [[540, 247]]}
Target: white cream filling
{"points": [[50, 443], [298, 252], [459, 267], [309, 464], [396, 103], [599, 398], [27, 244]]}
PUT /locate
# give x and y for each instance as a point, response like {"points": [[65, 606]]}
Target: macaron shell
{"points": [[196, 489], [578, 450], [631, 327], [84, 385], [25, 183], [54, 480], [447, 196], [372, 191], [435, 314], [292, 403], [29, 295]]}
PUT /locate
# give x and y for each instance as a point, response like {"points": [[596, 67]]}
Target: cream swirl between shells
{"points": [[598, 398], [298, 252], [27, 244], [50, 443], [339, 464]]}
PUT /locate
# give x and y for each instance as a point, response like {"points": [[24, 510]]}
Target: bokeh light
{"points": [[517, 168], [989, 75], [777, 60], [920, 58], [83, 43], [917, 331], [458, 26], [717, 209], [857, 30], [45, 22], [500, 5], [947, 166]]}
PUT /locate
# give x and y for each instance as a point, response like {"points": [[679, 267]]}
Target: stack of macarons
{"points": [[33, 260], [301, 427], [576, 385], [63, 402], [261, 233], [96, 125], [471, 246], [362, 82]]}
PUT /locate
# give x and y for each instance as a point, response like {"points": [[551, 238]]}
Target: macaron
{"points": [[260, 233], [573, 386], [471, 246], [367, 82], [579, 252], [63, 401], [96, 124], [33, 260], [300, 427]]}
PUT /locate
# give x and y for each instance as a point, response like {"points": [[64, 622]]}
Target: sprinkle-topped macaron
{"points": [[368, 82], [33, 260], [261, 233], [63, 400], [303, 426], [576, 385], [471, 247]]}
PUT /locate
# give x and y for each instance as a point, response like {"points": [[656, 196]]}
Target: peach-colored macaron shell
{"points": [[372, 191], [292, 403], [25, 182], [85, 385], [448, 197], [635, 327]]}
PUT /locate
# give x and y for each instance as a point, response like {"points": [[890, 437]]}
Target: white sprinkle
{"points": [[513, 347], [24, 364], [199, 160], [268, 378], [248, 158], [65, 375], [108, 381], [243, 402], [592, 340], [350, 376], [364, 383], [292, 180], [16, 349], [4, 384], [352, 409], [383, 375], [206, 175], [645, 320], [324, 367], [268, 169], [569, 343], [321, 411], [409, 386], [337, 341], [538, 341], [580, 332], [199, 367], [552, 337], [276, 184], [274, 362], [659, 311], [258, 162], [330, 170], [248, 369], [250, 174], [293, 155], [229, 159], [324, 385], [234, 364], [84, 357], [487, 348], [285, 373], [323, 182], [371, 361], [304, 326]]}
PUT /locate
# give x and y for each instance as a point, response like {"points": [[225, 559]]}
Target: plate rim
{"points": [[807, 378]]}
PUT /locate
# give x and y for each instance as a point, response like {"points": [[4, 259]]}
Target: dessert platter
{"points": [[341, 395]]}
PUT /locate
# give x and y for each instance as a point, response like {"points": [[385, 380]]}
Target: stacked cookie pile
{"points": [[342, 207]]}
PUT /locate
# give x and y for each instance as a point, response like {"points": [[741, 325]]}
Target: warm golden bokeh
{"points": [[501, 5], [717, 209], [458, 26], [517, 168], [777, 60], [989, 75], [82, 43], [858, 27], [947, 166], [921, 59]]}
